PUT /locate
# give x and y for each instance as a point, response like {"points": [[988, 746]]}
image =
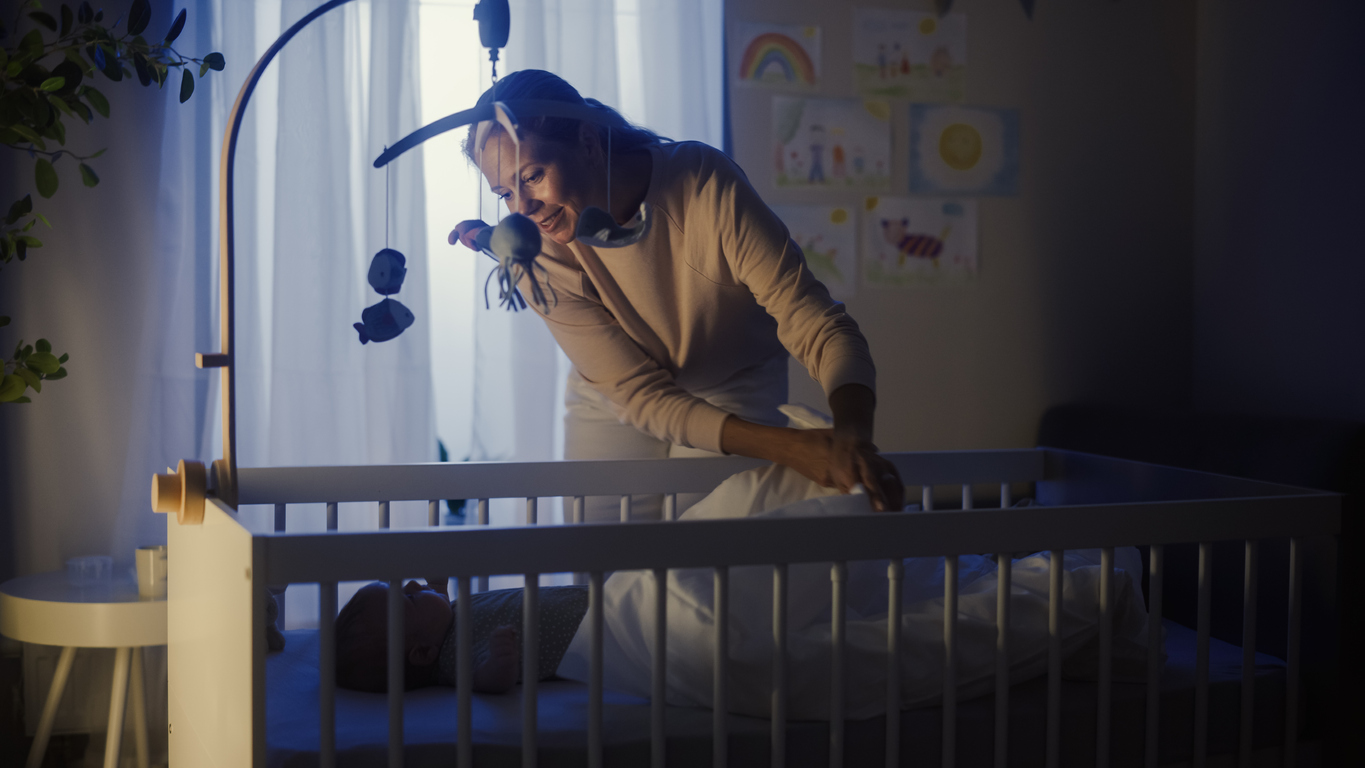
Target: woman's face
{"points": [[557, 181]]}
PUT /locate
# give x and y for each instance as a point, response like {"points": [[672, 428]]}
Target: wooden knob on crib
{"points": [[181, 492]]}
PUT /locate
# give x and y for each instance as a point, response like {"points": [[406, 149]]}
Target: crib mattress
{"points": [[429, 721]]}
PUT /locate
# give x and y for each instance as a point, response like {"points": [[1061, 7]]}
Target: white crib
{"points": [[218, 657]]}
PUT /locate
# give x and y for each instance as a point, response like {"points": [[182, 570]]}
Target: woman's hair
{"points": [[541, 85]]}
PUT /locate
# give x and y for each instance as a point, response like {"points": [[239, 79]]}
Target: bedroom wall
{"points": [[1084, 286], [1279, 265]]}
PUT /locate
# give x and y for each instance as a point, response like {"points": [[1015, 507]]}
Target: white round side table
{"points": [[45, 609]]}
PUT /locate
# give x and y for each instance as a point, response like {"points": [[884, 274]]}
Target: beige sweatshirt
{"points": [[715, 288]]}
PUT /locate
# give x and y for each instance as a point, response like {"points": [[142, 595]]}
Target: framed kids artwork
{"points": [[779, 56], [831, 143], [912, 55], [917, 241], [828, 238]]}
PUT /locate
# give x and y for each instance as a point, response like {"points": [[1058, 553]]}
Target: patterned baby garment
{"points": [[561, 611]]}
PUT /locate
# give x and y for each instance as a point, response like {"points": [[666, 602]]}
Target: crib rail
{"points": [[1093, 503]]}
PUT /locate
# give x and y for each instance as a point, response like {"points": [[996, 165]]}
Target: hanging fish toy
{"points": [[388, 318], [384, 321]]}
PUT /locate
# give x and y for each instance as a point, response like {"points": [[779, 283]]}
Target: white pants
{"points": [[593, 430]]}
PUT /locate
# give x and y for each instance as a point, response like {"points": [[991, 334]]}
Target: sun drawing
{"points": [[960, 146]]}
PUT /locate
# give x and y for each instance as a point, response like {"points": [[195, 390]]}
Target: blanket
{"points": [[776, 492]]}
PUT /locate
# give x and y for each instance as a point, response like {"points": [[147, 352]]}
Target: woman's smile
{"points": [[551, 223]]}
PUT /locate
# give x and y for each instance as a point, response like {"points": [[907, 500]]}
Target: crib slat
{"points": [[895, 577], [838, 576], [383, 515], [966, 496], [481, 583], [279, 598], [595, 670], [532, 510], [1004, 578], [279, 517], [625, 508], [926, 498], [433, 513], [659, 682], [1291, 677], [950, 570], [670, 506], [779, 705], [530, 667], [1054, 658], [1201, 658], [327, 677], [1005, 500], [395, 681], [464, 674], [1106, 657], [1248, 651], [578, 506], [1154, 581], [331, 515], [720, 736]]}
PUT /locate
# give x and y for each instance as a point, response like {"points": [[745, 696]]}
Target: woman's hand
{"points": [[832, 458], [841, 460], [465, 232]]}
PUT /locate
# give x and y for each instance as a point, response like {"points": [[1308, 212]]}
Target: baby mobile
{"points": [[515, 242]]}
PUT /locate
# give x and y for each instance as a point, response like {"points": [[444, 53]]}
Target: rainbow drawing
{"points": [[777, 57]]}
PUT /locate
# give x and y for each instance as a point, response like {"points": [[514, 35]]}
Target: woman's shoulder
{"points": [[693, 160]]}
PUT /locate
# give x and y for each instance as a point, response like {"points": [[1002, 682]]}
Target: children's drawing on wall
{"points": [[828, 237], [909, 55], [777, 56], [964, 150], [912, 241], [831, 143]]}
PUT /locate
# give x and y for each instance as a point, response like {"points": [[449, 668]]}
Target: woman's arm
{"points": [[840, 458]]}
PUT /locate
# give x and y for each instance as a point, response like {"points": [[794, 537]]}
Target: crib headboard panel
{"points": [[216, 658]]}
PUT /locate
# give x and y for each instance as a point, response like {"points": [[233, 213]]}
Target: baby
{"points": [[429, 652]]}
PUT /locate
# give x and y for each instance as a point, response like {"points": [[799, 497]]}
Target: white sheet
{"points": [[777, 492]]}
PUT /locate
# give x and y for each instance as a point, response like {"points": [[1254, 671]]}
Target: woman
{"points": [[679, 340]]}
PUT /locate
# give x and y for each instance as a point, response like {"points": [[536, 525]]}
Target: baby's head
{"points": [[362, 636]]}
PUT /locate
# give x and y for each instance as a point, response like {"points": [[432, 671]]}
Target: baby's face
{"points": [[426, 613]]}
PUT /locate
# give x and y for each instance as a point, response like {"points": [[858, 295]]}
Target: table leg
{"points": [[54, 697], [118, 696], [139, 705]]}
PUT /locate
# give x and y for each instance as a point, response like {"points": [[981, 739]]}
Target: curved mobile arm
{"points": [[225, 470], [536, 107]]}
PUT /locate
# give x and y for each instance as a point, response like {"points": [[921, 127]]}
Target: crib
{"points": [[218, 660]]}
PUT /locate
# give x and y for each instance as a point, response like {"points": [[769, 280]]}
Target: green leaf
{"points": [[18, 208], [97, 100], [32, 44], [67, 19], [186, 86], [62, 106], [43, 219], [176, 27], [28, 133], [139, 16], [30, 241], [45, 362], [43, 345], [45, 19], [97, 154], [30, 378], [46, 177], [11, 388], [60, 374], [203, 69], [23, 400], [88, 176], [4, 321], [215, 61], [52, 84], [61, 359]]}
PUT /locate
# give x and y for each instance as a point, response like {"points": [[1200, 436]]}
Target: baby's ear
{"points": [[423, 655]]}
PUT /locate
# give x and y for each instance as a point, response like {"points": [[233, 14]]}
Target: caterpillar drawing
{"points": [[914, 244]]}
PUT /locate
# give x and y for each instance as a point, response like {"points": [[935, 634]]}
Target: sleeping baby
{"points": [[429, 652]]}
